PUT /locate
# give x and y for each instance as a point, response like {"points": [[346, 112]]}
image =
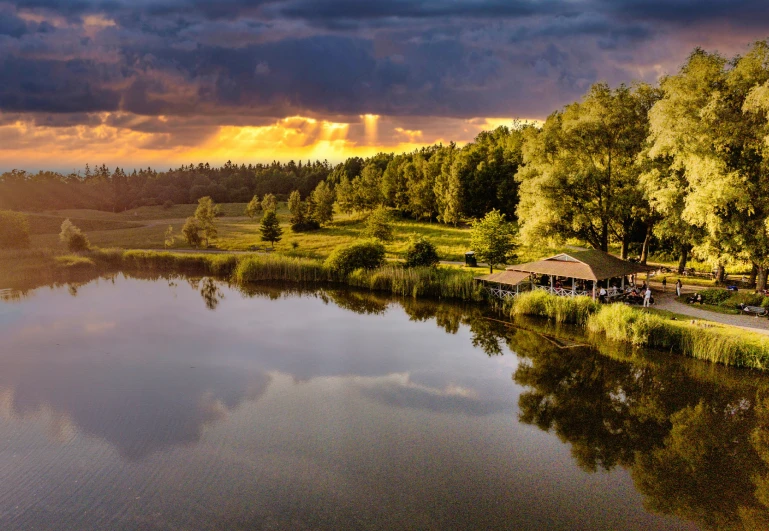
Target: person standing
{"points": [[647, 297], [679, 287], [664, 283]]}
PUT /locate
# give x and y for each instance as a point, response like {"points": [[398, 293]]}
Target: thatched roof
{"points": [[511, 278], [585, 265]]}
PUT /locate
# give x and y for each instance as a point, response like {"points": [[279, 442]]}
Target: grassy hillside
{"points": [[144, 228]]}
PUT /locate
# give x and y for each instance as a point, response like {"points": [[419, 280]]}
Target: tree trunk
{"points": [[753, 275], [647, 241], [720, 273], [625, 245], [684, 258], [491, 268], [761, 284]]}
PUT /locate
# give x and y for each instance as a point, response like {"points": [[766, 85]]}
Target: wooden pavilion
{"points": [[565, 274]]}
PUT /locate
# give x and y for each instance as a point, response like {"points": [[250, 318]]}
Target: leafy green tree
{"points": [[421, 253], [254, 207], [580, 178], [379, 226], [493, 239], [270, 228], [710, 124], [191, 232], [345, 196], [322, 201], [169, 237], [14, 230], [269, 202], [365, 254], [296, 207], [206, 214], [73, 238]]}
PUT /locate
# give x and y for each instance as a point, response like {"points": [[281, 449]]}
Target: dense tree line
{"points": [[116, 190], [685, 163]]}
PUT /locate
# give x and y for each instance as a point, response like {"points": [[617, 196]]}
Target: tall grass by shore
{"points": [[698, 339], [569, 310]]}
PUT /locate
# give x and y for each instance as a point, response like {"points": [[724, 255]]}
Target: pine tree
{"points": [[270, 228]]}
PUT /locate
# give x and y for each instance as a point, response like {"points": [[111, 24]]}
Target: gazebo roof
{"points": [[506, 277], [585, 265]]}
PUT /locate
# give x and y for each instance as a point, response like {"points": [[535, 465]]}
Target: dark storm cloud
{"points": [[274, 58]]}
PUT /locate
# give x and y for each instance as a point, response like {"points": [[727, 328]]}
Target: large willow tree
{"points": [[580, 173], [710, 125]]}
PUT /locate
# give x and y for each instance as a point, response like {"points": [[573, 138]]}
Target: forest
{"points": [[680, 166]]}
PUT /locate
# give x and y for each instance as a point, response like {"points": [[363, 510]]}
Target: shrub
{"points": [[746, 298], [715, 296], [421, 253], [305, 225], [378, 225], [71, 236], [191, 232], [14, 230], [367, 254]]}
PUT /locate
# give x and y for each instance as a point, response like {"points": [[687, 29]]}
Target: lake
{"points": [[156, 403]]}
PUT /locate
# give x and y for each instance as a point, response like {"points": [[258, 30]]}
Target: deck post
{"points": [[573, 286]]}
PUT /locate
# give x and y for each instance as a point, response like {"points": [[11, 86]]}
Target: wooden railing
{"points": [[563, 292]]}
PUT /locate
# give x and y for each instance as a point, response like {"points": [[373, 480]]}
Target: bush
{"points": [[378, 225], [747, 299], [168, 205], [367, 254], [14, 230], [191, 232], [71, 236], [715, 296], [421, 253], [306, 225]]}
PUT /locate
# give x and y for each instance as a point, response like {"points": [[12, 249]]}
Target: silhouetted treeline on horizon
{"points": [[440, 182]]}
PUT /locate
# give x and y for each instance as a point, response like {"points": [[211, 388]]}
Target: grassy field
{"points": [[144, 228]]}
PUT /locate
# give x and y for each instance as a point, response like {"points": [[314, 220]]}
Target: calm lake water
{"points": [[186, 404]]}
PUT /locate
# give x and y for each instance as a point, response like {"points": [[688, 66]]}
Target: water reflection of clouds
{"points": [[118, 359], [355, 420]]}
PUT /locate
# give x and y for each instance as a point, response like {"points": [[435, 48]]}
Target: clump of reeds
{"points": [[698, 339], [571, 310], [205, 264], [282, 268], [74, 262], [418, 282]]}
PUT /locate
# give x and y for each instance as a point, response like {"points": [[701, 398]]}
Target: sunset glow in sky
{"points": [[165, 82]]}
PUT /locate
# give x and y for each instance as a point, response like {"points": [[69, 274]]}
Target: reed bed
{"points": [[568, 310], [204, 264], [418, 282], [694, 338], [260, 268]]}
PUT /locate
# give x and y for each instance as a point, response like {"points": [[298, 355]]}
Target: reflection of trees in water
{"points": [[692, 444], [212, 295]]}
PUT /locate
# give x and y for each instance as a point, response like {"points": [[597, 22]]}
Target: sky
{"points": [[168, 82]]}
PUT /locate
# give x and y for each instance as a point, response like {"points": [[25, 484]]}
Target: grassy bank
{"points": [[26, 269], [698, 339]]}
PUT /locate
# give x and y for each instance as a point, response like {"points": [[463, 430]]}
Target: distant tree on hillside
{"points": [[254, 207], [270, 228], [73, 238], [206, 214], [269, 202]]}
